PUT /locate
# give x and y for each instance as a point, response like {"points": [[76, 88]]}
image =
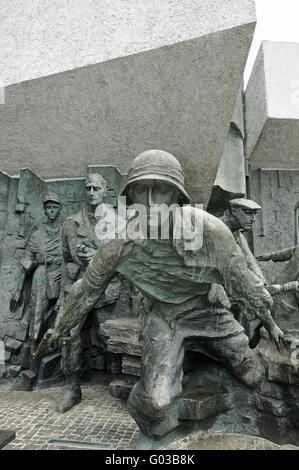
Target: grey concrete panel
{"points": [[42, 37], [272, 107], [179, 98], [275, 226]]}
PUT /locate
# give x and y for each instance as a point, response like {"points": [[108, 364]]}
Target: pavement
{"points": [[100, 421]]}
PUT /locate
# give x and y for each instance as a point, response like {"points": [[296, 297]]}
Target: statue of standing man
{"points": [[79, 244], [42, 259]]}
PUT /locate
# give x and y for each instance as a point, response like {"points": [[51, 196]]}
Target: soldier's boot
{"points": [[72, 396]]}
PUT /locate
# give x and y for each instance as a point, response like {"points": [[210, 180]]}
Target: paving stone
{"points": [[34, 417]]}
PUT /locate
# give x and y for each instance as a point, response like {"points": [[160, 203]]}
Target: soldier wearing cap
{"points": [[79, 244], [175, 282], [239, 217], [42, 259]]}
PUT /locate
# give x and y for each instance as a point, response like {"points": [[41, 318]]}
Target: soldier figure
{"points": [[79, 244], [175, 281], [239, 217], [286, 305], [42, 259]]}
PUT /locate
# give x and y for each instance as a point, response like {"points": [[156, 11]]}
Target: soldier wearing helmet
{"points": [[42, 260], [175, 283]]}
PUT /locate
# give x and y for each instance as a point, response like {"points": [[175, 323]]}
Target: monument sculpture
{"points": [[42, 260], [239, 217], [286, 305], [176, 281], [79, 244]]}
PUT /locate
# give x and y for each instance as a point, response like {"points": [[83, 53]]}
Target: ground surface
{"points": [[99, 421]]}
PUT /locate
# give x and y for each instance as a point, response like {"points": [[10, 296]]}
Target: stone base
{"points": [[226, 441], [202, 403], [6, 437]]}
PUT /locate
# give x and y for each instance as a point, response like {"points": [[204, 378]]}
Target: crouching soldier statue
{"points": [[175, 278]]}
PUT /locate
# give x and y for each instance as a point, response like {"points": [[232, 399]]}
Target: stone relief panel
{"points": [[22, 223]]}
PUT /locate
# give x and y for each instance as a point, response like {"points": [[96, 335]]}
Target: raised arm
{"points": [[243, 285], [278, 256]]}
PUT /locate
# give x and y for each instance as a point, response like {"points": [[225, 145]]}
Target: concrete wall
{"points": [[272, 107], [42, 37], [277, 191]]}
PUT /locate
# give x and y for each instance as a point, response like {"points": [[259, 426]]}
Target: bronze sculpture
{"points": [[42, 259], [79, 244], [176, 283]]}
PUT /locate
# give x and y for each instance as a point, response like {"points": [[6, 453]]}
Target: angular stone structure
{"points": [[272, 108], [142, 75]]}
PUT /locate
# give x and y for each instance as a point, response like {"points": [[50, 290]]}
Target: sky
{"points": [[277, 20]]}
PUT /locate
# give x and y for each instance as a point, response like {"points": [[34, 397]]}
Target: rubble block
{"points": [[28, 378], [50, 367], [13, 345], [13, 371], [155, 74], [126, 328], [131, 365], [98, 362], [122, 345], [272, 108], [26, 357], [278, 399], [6, 437], [121, 387], [282, 367], [202, 403], [272, 406]]}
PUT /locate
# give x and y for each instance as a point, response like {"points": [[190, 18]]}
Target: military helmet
{"points": [[50, 196], [96, 180], [160, 166], [244, 204]]}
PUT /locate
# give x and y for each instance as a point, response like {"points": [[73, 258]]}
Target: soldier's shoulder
{"points": [[74, 218], [210, 223]]}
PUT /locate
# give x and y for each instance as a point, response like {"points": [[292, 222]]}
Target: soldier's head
{"points": [[155, 177], [243, 212], [96, 189], [52, 205]]}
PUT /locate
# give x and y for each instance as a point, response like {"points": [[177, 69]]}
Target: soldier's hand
{"points": [[49, 338], [266, 257], [85, 253], [15, 300], [277, 335]]}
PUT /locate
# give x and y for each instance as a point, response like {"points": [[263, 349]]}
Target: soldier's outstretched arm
{"points": [[86, 292], [245, 287], [278, 256]]}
